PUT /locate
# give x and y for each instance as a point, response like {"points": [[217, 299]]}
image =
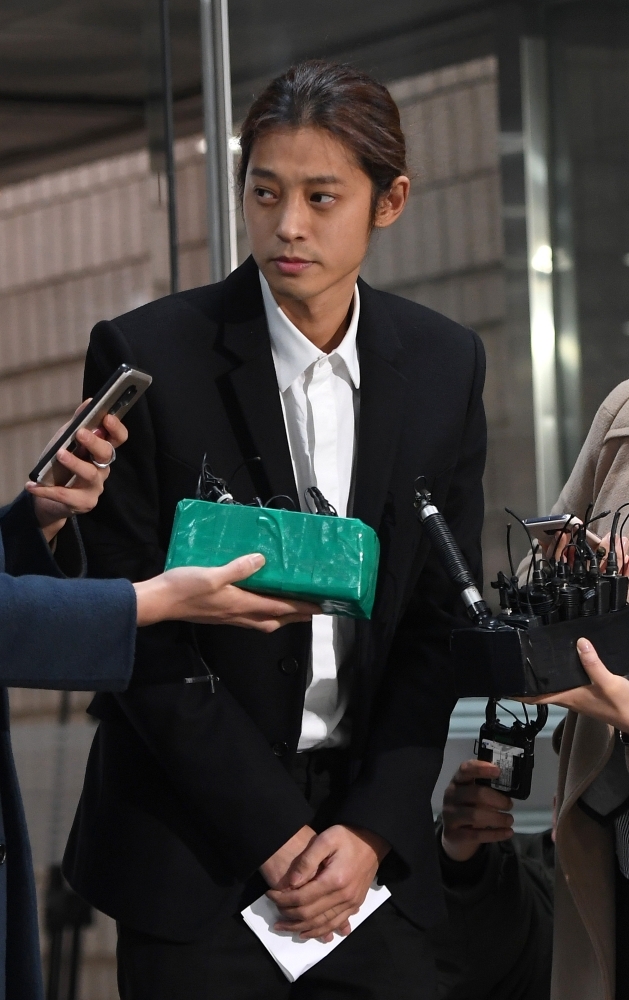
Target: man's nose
{"points": [[292, 224]]}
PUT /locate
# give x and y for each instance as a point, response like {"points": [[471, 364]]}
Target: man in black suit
{"points": [[307, 766]]}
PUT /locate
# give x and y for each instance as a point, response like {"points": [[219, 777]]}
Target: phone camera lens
{"points": [[126, 397]]}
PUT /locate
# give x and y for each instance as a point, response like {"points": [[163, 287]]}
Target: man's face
{"points": [[307, 208]]}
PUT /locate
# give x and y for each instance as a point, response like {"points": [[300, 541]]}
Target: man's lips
{"points": [[291, 265]]}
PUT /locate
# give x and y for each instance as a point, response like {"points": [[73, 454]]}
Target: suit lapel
{"points": [[382, 401], [252, 382]]}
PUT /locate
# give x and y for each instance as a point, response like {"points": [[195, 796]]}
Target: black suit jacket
{"points": [[187, 791]]}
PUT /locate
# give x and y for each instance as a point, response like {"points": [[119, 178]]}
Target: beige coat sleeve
{"points": [[601, 472]]}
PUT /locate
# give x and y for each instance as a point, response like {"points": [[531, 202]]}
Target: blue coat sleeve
{"points": [[55, 632]]}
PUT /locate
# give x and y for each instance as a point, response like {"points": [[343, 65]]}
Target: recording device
{"points": [[529, 648], [117, 396], [512, 748], [216, 490]]}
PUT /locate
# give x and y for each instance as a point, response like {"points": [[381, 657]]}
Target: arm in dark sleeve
{"points": [[405, 749], [497, 940], [55, 632], [27, 551], [207, 746], [74, 635]]}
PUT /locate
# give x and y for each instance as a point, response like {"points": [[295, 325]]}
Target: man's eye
{"points": [[263, 193], [322, 199]]}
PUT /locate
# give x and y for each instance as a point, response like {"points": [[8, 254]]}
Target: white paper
{"points": [[294, 955]]}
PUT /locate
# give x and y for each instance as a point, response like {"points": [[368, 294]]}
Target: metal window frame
{"points": [[535, 119], [217, 113]]}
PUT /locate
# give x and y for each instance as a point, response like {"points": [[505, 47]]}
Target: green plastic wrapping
{"points": [[332, 561]]}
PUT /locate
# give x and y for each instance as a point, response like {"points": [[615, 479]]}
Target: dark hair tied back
{"points": [[340, 99]]}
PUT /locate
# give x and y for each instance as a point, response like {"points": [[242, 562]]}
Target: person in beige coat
{"points": [[587, 879]]}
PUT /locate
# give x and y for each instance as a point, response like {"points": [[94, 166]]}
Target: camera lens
{"points": [[126, 397]]}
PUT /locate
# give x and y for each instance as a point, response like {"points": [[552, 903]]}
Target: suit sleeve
{"points": [[58, 633], [405, 749], [205, 743]]}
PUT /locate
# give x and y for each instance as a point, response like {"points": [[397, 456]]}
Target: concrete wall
{"points": [[76, 247], [89, 243]]}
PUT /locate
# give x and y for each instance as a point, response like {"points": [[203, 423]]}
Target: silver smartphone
{"points": [[543, 528], [117, 396]]}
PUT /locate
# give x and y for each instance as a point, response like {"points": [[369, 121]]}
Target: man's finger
{"points": [[312, 897], [306, 865], [314, 912], [331, 926], [320, 925]]}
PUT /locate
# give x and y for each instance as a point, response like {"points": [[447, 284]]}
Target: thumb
{"points": [[470, 770], [592, 663], [305, 866], [239, 569]]}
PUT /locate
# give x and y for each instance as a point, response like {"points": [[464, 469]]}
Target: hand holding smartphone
{"points": [[545, 528], [117, 396]]}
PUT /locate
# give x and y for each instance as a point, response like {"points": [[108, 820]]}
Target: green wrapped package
{"points": [[332, 561]]}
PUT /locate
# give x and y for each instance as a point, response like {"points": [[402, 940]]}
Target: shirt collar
{"points": [[293, 353]]}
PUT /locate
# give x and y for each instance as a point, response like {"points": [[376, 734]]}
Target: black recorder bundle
{"points": [[529, 648]]}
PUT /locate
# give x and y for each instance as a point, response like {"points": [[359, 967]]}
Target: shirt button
{"points": [[280, 749], [3, 853], [288, 665]]}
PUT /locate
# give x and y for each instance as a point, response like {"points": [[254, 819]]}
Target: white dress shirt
{"points": [[320, 400]]}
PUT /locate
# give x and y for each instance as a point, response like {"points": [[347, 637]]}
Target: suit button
{"points": [[280, 749], [289, 665], [3, 853]]}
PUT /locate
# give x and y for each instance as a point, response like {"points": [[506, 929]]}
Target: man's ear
{"points": [[392, 203]]}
